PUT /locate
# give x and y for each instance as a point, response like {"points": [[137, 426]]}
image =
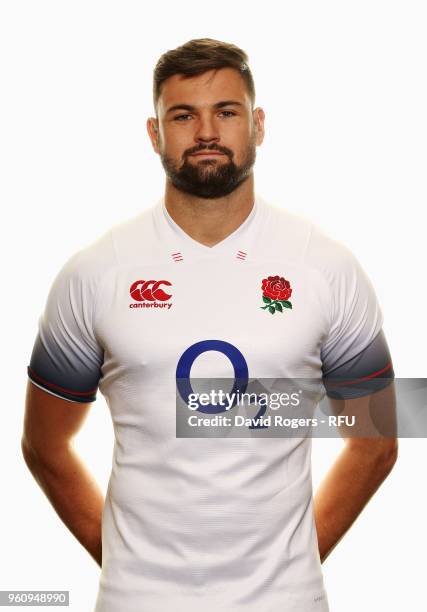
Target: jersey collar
{"points": [[237, 245]]}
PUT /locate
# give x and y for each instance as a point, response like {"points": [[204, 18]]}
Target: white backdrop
{"points": [[343, 85]]}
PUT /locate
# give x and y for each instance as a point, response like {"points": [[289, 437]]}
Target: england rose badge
{"points": [[276, 292]]}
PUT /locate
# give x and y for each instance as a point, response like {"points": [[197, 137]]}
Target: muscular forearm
{"points": [[73, 493], [344, 492]]}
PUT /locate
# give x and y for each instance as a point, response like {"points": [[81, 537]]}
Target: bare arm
{"points": [[360, 468], [50, 425]]}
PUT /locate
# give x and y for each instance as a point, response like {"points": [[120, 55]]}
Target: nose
{"points": [[207, 131]]}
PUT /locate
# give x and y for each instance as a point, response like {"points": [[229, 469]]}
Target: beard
{"points": [[208, 178]]}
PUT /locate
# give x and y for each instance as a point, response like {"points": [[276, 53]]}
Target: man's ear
{"points": [[153, 132], [259, 118]]}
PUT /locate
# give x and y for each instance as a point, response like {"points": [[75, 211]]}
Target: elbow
{"points": [[388, 454], [41, 457], [380, 453], [28, 453], [394, 453], [35, 457]]}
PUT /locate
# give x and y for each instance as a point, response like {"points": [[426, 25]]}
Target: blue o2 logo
{"points": [[183, 369]]}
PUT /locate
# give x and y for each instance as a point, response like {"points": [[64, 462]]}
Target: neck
{"points": [[210, 221]]}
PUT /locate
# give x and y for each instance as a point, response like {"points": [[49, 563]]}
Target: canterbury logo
{"points": [[150, 290]]}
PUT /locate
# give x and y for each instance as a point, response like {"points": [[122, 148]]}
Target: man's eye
{"points": [[184, 117], [181, 117]]}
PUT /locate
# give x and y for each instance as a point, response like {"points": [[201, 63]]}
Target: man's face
{"points": [[206, 132]]}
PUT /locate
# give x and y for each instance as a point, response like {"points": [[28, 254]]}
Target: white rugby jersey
{"points": [[225, 524]]}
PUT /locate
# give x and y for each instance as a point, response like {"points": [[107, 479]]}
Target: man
{"points": [[214, 281]]}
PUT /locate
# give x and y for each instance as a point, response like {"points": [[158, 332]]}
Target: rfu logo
{"points": [[148, 294]]}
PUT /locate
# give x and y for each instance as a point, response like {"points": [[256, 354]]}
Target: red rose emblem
{"points": [[276, 288], [276, 292]]}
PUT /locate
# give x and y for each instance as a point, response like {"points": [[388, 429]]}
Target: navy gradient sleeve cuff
{"points": [[369, 371], [68, 394], [70, 375]]}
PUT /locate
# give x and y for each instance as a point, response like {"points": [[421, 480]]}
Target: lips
{"points": [[207, 153]]}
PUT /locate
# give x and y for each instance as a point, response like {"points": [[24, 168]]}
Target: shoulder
{"points": [[331, 257], [124, 241], [91, 261], [286, 233], [326, 261], [304, 241], [137, 238]]}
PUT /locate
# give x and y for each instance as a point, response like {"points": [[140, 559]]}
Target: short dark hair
{"points": [[198, 56]]}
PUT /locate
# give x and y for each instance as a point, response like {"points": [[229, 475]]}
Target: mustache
{"points": [[211, 147]]}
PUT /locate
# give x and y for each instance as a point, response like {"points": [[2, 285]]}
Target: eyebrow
{"points": [[189, 107]]}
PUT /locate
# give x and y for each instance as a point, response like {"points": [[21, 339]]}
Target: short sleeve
{"points": [[66, 358], [354, 353], [355, 314]]}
